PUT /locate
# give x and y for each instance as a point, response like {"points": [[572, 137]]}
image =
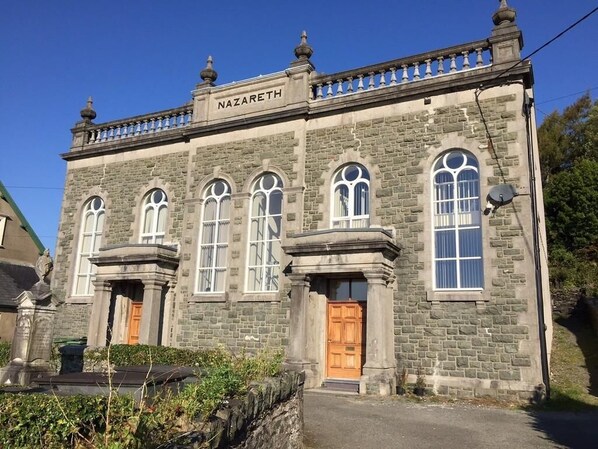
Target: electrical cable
{"points": [[589, 89], [480, 89], [546, 44], [34, 187]]}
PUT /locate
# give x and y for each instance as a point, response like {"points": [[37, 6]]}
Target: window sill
{"points": [[235, 297], [457, 296], [260, 297], [79, 300], [211, 297]]}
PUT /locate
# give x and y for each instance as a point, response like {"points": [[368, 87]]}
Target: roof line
{"points": [[24, 223]]}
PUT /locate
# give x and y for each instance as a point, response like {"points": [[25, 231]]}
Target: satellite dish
{"points": [[502, 194]]}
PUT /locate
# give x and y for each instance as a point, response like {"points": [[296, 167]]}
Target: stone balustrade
{"points": [[448, 63], [140, 126], [411, 69]]}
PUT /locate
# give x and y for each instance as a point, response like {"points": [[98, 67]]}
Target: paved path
{"points": [[356, 422]]}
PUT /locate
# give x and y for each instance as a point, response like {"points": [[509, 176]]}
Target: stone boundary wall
{"points": [[269, 416], [565, 300], [592, 306]]}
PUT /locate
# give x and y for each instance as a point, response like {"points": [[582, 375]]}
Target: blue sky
{"points": [[135, 57]]}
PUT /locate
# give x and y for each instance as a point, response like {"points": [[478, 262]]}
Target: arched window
{"points": [[155, 208], [457, 219], [92, 226], [213, 238], [351, 197], [263, 267]]}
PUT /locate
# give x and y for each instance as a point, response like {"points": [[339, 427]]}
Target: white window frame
{"points": [[3, 220], [217, 222], [95, 236], [266, 283], [155, 235], [351, 220], [464, 213]]}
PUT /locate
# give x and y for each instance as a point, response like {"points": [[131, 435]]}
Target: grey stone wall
{"points": [[486, 340], [120, 184], [453, 339], [238, 326], [269, 416], [72, 320], [242, 158]]}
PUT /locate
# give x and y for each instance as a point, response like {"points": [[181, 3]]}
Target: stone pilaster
{"points": [[149, 330], [297, 358], [379, 371], [98, 323]]}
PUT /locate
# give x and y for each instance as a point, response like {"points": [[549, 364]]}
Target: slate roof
{"points": [[14, 279], [24, 223]]}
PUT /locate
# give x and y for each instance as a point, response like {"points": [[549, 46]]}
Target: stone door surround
{"points": [[370, 252], [153, 265]]}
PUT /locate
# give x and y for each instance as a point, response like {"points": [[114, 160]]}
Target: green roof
{"points": [[24, 223]]}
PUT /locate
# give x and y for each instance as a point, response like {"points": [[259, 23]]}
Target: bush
{"points": [[122, 355], [36, 420], [569, 270], [4, 353]]}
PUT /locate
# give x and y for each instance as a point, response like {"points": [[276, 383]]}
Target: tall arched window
{"points": [[213, 239], [263, 267], [457, 219], [155, 208], [92, 226], [351, 197]]}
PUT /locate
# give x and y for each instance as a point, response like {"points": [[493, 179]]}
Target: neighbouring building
{"points": [[19, 250], [364, 221]]}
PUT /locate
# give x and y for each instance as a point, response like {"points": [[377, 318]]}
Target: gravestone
{"points": [[31, 348]]}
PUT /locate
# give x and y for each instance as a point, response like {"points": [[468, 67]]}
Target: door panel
{"points": [[346, 346], [134, 322]]}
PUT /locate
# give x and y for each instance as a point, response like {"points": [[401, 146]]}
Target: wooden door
{"points": [[345, 354], [134, 322]]}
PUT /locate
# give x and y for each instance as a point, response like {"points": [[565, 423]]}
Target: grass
{"points": [[574, 365]]}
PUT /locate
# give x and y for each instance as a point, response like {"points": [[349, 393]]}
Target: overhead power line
{"points": [[546, 44], [590, 89], [34, 187]]}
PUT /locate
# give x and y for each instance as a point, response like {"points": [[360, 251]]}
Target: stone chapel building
{"points": [[347, 218]]}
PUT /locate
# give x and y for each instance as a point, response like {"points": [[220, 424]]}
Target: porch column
{"points": [[297, 349], [379, 370], [100, 308], [150, 312]]}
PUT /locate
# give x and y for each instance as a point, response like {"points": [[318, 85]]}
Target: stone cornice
{"points": [[136, 254], [343, 241]]}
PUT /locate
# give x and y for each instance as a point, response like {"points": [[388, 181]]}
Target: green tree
{"points": [[567, 137], [568, 144], [571, 199]]}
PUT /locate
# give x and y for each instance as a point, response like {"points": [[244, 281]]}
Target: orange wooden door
{"points": [[134, 322], [346, 349]]}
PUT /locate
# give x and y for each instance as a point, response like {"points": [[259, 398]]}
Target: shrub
{"points": [[114, 421], [37, 420], [4, 353], [122, 355]]}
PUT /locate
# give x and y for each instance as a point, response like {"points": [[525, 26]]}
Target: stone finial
{"points": [[208, 75], [303, 51], [504, 14], [87, 113]]}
